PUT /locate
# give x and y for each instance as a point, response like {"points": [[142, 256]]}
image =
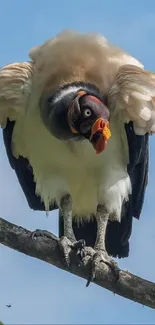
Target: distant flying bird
{"points": [[76, 122], [9, 306]]}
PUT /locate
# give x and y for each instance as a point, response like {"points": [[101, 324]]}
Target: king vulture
{"points": [[76, 122]]}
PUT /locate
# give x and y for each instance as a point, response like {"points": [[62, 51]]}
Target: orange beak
{"points": [[100, 133]]}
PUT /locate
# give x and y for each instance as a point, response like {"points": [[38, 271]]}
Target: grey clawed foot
{"points": [[40, 233], [101, 256], [68, 246]]}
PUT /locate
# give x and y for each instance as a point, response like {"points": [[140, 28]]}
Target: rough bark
{"points": [[129, 285]]}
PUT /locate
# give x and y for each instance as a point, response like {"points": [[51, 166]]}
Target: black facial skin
{"points": [[55, 115]]}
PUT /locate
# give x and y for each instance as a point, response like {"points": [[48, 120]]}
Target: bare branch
{"points": [[129, 286]]}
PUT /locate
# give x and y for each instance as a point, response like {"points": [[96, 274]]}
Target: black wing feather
{"points": [[23, 171]]}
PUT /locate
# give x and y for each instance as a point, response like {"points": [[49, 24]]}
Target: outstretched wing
{"points": [[132, 96], [15, 88]]}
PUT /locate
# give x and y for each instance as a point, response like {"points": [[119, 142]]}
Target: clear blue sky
{"points": [[40, 293]]}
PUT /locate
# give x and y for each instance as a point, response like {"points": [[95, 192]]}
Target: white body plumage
{"points": [[62, 167]]}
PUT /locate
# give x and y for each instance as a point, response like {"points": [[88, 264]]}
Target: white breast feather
{"points": [[67, 166]]}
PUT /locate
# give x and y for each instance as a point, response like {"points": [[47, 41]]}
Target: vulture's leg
{"points": [[101, 254], [68, 241]]}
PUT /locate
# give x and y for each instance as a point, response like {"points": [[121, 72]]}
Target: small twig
{"points": [[129, 285]]}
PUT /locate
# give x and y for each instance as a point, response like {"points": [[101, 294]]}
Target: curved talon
{"points": [[36, 233], [114, 268], [79, 247], [39, 233], [102, 257], [78, 244], [66, 246]]}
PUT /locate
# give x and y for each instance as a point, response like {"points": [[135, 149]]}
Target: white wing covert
{"points": [[15, 88], [133, 97]]}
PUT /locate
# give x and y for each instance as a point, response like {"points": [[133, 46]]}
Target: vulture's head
{"points": [[77, 111]]}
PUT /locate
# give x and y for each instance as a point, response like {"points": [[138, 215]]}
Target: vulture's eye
{"points": [[87, 112]]}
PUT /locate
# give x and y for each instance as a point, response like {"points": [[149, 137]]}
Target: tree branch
{"points": [[129, 286]]}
